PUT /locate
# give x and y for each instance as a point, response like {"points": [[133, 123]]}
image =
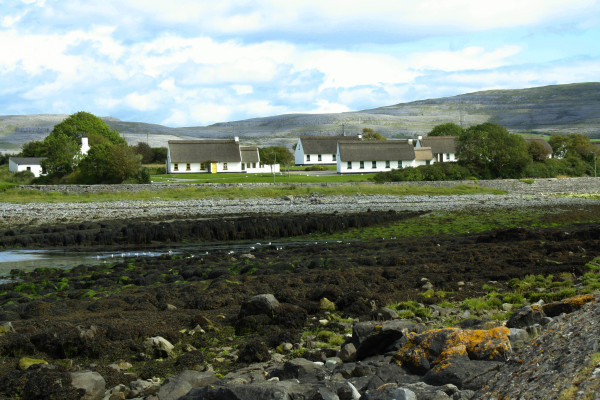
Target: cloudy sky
{"points": [[197, 62]]}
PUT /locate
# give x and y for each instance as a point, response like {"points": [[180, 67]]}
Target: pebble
{"points": [[12, 214]]}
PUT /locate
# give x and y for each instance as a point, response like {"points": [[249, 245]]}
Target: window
{"points": [[308, 157], [334, 157], [373, 164], [175, 167], [447, 156], [362, 165], [28, 168], [399, 164], [253, 165], [224, 166], [319, 158], [349, 165], [387, 164], [243, 167], [188, 167], [427, 162], [202, 166]]}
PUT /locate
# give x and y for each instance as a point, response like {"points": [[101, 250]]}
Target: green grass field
{"points": [[259, 178]]}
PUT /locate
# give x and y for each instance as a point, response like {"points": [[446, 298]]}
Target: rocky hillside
{"points": [[550, 109]]}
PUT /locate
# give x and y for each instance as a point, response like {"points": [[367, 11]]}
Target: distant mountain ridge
{"points": [[556, 109]]}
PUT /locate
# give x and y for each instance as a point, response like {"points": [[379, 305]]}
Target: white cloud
{"points": [[143, 102], [242, 90], [326, 107]]}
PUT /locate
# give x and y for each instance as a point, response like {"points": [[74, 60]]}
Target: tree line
{"points": [[109, 160], [489, 151]]}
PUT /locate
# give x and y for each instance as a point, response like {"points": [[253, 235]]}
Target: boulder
{"points": [[260, 304], [526, 316], [379, 338], [347, 352], [442, 347], [303, 370], [179, 385], [91, 382], [567, 306], [462, 372], [159, 347], [252, 391]]}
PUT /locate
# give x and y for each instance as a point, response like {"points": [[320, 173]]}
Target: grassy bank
{"points": [[471, 221], [30, 196], [260, 178]]}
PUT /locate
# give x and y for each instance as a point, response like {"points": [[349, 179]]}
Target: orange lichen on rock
{"points": [[442, 346], [580, 300]]}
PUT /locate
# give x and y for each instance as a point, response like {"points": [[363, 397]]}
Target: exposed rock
{"points": [[326, 304], [301, 369], [265, 304], [178, 386], [91, 382], [159, 347], [442, 347], [526, 316], [252, 391]]}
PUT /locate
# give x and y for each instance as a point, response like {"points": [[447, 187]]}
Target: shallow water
{"points": [[28, 260]]}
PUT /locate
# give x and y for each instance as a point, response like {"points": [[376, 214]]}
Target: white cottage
{"points": [[371, 156], [213, 156], [32, 164], [318, 150], [442, 147]]}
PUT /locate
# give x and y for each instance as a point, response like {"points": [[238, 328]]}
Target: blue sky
{"points": [[195, 62]]}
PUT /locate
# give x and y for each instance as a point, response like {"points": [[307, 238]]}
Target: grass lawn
{"points": [[258, 178]]}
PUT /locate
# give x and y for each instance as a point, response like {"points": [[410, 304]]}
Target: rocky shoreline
{"points": [[35, 214], [348, 321]]}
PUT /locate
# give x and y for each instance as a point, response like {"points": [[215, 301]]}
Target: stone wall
{"points": [[537, 186]]}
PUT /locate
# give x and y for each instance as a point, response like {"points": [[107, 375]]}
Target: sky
{"points": [[194, 62]]}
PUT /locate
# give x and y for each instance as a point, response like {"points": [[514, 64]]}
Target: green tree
{"points": [[84, 124], [109, 163], [492, 152], [62, 155], [160, 154], [370, 134], [33, 149], [447, 129], [145, 151], [573, 145], [276, 155]]}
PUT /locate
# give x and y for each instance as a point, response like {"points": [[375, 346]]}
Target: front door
{"points": [[213, 167]]}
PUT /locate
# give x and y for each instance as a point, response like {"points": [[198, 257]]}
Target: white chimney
{"points": [[236, 138], [410, 141], [359, 136], [85, 147], [419, 138]]}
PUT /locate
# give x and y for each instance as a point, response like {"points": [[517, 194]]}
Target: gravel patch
{"points": [[32, 214]]}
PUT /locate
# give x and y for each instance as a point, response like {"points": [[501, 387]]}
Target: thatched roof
{"points": [[323, 144], [199, 151], [250, 154], [440, 144], [376, 150], [423, 153]]}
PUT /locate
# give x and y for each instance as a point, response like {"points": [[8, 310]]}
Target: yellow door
{"points": [[213, 167]]}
